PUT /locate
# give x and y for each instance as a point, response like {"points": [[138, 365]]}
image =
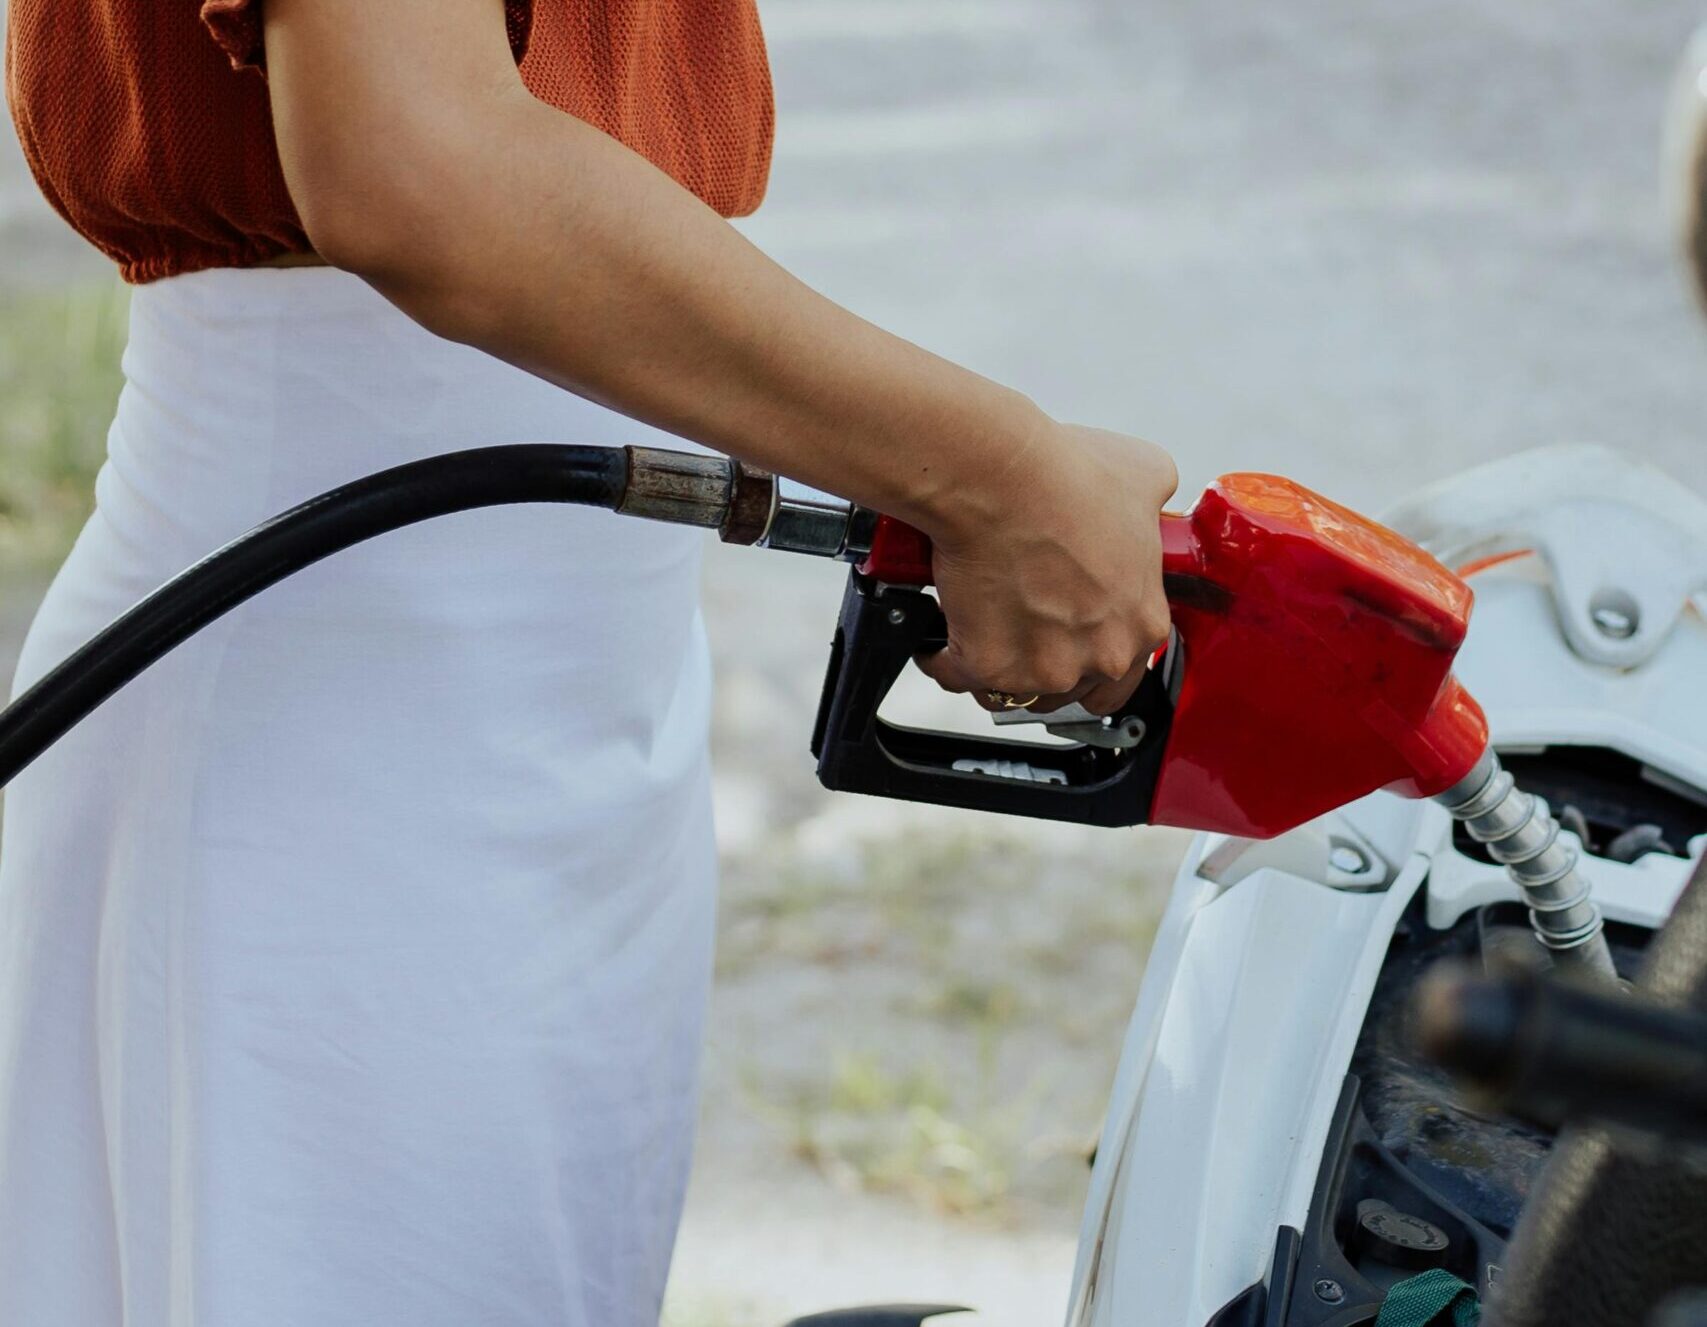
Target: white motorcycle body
{"points": [[1237, 1096]]}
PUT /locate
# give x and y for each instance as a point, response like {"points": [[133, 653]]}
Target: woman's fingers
{"points": [[1058, 598], [1110, 697], [1049, 704], [1099, 695], [949, 670]]}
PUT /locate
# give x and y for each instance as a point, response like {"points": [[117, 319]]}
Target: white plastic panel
{"points": [[1244, 1064]]}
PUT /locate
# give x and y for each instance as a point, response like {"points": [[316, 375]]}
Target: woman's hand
{"points": [[1050, 574]]}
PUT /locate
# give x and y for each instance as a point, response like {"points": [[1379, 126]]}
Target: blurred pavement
{"points": [[1363, 245]]}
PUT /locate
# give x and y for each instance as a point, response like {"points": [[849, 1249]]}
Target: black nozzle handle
{"points": [[881, 629]]}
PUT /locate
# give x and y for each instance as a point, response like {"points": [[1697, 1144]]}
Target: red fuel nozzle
{"points": [[1318, 651], [1316, 666]]}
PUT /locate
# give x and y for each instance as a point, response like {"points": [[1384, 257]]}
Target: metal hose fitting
{"points": [[744, 504], [1521, 834]]}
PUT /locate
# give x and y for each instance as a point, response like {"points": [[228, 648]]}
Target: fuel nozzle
{"points": [[1358, 614]]}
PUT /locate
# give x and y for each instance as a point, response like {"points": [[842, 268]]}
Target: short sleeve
{"points": [[236, 26]]}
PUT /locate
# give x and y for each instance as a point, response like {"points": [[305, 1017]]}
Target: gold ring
{"points": [[1006, 700]]}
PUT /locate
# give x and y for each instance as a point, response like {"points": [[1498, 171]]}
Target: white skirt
{"points": [[353, 960]]}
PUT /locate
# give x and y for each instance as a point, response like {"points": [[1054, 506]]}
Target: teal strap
{"points": [[1429, 1298]]}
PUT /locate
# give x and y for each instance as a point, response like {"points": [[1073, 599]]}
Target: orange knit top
{"points": [[147, 123]]}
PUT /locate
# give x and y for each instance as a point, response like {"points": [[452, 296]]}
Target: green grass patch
{"points": [[59, 380], [896, 1131], [971, 986]]}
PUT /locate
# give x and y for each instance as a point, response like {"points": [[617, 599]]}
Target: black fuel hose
{"points": [[284, 545]]}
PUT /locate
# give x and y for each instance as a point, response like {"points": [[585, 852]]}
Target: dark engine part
{"points": [[1344, 1270], [1613, 1231], [1552, 1051], [1482, 1162]]}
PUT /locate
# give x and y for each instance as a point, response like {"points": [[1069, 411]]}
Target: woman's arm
{"points": [[418, 160]]}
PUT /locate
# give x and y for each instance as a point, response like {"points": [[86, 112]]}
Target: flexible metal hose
{"points": [[1521, 834], [389, 500]]}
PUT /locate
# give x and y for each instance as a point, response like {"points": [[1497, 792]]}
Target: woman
{"points": [[354, 958]]}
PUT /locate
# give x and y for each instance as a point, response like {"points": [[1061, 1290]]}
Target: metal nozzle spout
{"points": [[1521, 834]]}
